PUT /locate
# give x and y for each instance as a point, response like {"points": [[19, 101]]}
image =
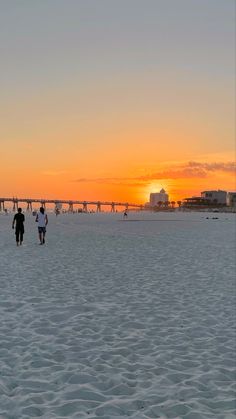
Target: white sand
{"points": [[116, 319]]}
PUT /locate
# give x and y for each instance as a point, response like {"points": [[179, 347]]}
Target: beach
{"points": [[115, 318]]}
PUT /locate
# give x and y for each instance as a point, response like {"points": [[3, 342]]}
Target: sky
{"points": [[115, 99]]}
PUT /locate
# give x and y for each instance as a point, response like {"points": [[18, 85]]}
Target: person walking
{"points": [[125, 214], [19, 220], [42, 220]]}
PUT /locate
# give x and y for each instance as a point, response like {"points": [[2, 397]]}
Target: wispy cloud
{"points": [[220, 166], [189, 170], [112, 181], [176, 173]]}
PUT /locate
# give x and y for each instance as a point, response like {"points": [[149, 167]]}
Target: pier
{"points": [[71, 204]]}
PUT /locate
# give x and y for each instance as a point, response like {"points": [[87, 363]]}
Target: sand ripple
{"points": [[117, 320]]}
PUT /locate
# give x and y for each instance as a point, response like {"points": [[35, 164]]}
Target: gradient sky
{"points": [[114, 99]]}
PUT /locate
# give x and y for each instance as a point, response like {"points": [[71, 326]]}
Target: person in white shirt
{"points": [[42, 220]]}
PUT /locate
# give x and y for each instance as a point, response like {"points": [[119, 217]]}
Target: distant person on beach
{"points": [[19, 220], [42, 220], [125, 214]]}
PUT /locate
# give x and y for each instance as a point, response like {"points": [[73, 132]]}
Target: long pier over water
{"points": [[83, 205]]}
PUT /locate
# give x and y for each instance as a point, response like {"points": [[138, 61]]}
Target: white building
{"points": [[156, 197], [215, 197]]}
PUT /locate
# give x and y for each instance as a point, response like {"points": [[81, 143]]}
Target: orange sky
{"points": [[98, 104]]}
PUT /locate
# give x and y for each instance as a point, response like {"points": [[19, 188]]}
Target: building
{"points": [[231, 199], [215, 197], [158, 197], [195, 202]]}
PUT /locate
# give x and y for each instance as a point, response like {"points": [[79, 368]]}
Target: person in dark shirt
{"points": [[126, 214], [19, 219]]}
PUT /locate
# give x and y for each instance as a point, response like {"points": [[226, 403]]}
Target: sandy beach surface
{"points": [[116, 318]]}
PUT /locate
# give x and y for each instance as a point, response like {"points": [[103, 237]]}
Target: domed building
{"points": [[156, 197]]}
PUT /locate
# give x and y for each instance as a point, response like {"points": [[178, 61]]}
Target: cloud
{"points": [[189, 170], [178, 173], [127, 182], [211, 167], [103, 180]]}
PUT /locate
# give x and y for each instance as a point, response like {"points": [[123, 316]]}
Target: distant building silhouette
{"points": [[209, 199], [157, 197], [215, 197], [231, 199]]}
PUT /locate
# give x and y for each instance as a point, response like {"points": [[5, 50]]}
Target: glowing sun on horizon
{"points": [[154, 187]]}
